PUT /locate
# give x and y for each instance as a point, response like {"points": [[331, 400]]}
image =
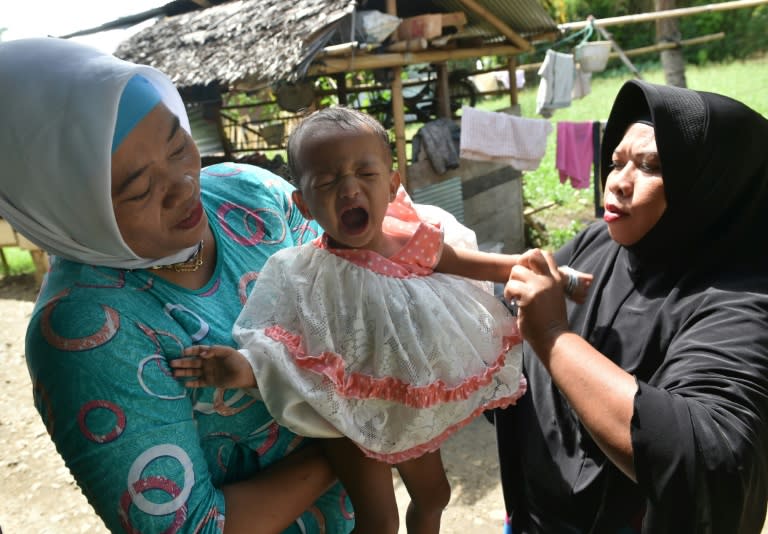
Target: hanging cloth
{"points": [[556, 85], [574, 152], [440, 141], [494, 136], [582, 83]]}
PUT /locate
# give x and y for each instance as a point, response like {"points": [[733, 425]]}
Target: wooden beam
{"points": [[329, 65], [411, 45], [497, 23], [657, 15]]}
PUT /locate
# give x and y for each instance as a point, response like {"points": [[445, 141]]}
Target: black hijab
{"points": [[714, 160], [688, 298]]}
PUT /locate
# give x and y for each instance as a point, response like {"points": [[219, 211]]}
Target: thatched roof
{"points": [[265, 41], [230, 42]]}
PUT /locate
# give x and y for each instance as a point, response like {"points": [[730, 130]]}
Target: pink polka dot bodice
{"points": [[423, 243]]}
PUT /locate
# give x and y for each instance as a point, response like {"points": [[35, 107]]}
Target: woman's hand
{"points": [[536, 285], [600, 392]]}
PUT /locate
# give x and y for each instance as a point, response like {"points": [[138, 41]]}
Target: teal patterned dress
{"points": [[149, 454]]}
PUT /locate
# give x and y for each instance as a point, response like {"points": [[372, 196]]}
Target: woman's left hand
{"points": [[536, 287]]}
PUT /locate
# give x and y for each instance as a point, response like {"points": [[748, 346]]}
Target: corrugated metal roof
{"points": [[527, 17]]}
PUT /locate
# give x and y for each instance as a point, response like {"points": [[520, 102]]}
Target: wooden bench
{"points": [[11, 238]]}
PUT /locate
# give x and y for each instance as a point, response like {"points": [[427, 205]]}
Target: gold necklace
{"points": [[189, 266]]}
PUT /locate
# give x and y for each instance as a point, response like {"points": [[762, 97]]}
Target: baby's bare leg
{"points": [[425, 480], [369, 485]]}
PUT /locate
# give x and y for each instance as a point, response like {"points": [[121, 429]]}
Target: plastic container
{"points": [[592, 55]]}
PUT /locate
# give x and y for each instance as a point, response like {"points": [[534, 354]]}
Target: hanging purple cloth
{"points": [[574, 152]]}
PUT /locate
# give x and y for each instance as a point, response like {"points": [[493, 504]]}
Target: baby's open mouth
{"points": [[355, 220]]}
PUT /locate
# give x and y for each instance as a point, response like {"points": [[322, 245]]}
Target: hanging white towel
{"points": [[556, 85], [582, 83], [504, 138]]}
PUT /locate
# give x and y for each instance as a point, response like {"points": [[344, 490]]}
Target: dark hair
{"points": [[338, 117]]}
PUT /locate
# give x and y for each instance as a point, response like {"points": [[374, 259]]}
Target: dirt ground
{"points": [[38, 495]]}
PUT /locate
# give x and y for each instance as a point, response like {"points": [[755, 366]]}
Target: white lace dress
{"points": [[381, 350]]}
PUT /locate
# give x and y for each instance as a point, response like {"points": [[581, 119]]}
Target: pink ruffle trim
{"points": [[360, 386], [437, 442]]}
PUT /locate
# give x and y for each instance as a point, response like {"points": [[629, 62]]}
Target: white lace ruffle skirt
{"points": [[397, 365]]}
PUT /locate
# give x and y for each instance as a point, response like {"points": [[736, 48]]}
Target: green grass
{"points": [[743, 80], [19, 261]]}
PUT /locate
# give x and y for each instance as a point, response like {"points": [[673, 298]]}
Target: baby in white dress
{"points": [[378, 332]]}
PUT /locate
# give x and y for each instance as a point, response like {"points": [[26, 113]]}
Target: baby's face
{"points": [[347, 183]]}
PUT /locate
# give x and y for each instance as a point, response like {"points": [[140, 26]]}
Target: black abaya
{"points": [[685, 311]]}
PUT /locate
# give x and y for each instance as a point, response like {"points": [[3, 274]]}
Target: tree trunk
{"points": [[672, 60]]}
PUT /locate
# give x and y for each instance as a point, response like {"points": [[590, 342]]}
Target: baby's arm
{"points": [[215, 365], [492, 267], [477, 265]]}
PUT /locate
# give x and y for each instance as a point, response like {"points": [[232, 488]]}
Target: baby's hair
{"points": [[337, 117]]}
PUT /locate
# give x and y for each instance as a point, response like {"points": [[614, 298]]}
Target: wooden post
{"points": [[398, 111], [341, 88], [443, 92], [511, 67]]}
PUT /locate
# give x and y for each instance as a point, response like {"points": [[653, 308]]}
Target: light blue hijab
{"points": [[59, 102]]}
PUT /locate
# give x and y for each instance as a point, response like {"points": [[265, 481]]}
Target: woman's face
{"points": [[634, 197], [156, 187]]}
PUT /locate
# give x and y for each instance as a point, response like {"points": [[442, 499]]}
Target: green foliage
{"points": [[745, 28]]}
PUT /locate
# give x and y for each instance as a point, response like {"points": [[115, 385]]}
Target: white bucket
{"points": [[592, 55]]}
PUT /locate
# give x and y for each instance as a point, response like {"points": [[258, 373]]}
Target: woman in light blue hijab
{"points": [[150, 253]]}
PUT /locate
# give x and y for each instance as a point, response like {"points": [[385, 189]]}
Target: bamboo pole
{"points": [[497, 23], [648, 49], [670, 13], [330, 65], [658, 47]]}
